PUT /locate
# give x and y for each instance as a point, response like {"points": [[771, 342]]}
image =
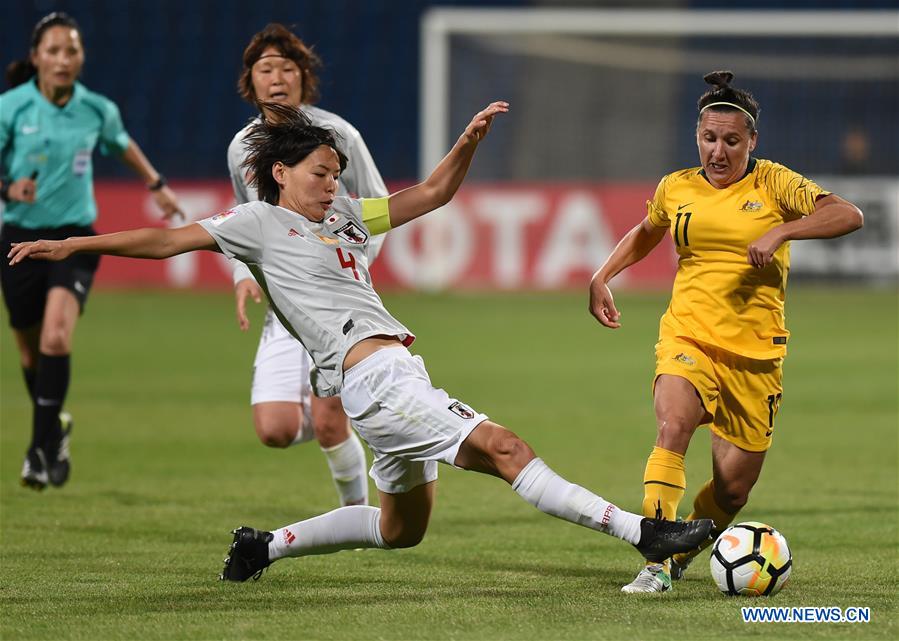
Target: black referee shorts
{"points": [[25, 286]]}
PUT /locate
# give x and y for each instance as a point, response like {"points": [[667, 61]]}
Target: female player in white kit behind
{"points": [[304, 246], [279, 68]]}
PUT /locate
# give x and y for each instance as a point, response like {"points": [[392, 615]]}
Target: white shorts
{"points": [[282, 366], [409, 424]]}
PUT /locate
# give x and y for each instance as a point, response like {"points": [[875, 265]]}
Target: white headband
{"points": [[728, 104]]}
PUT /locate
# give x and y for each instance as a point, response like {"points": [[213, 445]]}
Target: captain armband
{"points": [[376, 215]]}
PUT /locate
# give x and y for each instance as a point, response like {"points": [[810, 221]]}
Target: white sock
{"points": [[348, 469], [548, 492], [346, 528], [306, 433]]}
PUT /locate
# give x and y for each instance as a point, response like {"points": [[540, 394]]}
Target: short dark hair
{"points": [[284, 40], [21, 71], [284, 135], [723, 92]]}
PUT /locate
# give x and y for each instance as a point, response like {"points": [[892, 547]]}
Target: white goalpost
{"points": [[440, 25]]}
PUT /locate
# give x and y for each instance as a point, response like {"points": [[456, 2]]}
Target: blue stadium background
{"points": [[171, 65]]}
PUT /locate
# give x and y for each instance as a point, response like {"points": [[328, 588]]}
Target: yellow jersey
{"points": [[718, 297]]}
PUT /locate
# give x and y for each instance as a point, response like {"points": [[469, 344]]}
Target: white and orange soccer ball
{"points": [[752, 559]]}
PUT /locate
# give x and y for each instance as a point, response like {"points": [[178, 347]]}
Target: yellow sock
{"points": [[705, 507], [664, 483]]}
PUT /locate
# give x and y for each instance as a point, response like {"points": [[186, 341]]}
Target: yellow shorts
{"points": [[741, 394]]}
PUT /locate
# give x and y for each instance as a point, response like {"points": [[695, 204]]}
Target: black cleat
{"points": [[659, 538], [34, 469], [248, 555], [58, 463]]}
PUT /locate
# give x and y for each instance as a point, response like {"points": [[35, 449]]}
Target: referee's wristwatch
{"points": [[159, 184]]}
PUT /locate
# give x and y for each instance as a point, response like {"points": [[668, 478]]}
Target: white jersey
{"points": [[360, 179], [315, 275]]}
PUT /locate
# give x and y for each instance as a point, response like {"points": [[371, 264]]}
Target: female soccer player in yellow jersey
{"points": [[722, 340]]}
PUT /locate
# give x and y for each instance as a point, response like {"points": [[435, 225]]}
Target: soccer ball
{"points": [[751, 559]]}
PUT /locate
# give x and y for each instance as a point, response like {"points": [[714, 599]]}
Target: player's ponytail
{"points": [[19, 72]]}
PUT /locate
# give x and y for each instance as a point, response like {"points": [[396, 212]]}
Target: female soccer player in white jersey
{"points": [[279, 68], [305, 246]]}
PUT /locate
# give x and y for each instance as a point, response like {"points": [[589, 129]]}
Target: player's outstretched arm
{"points": [[135, 243], [439, 188], [633, 247]]}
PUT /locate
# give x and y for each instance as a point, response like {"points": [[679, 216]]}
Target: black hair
{"points": [[723, 92], [21, 71], [283, 134]]}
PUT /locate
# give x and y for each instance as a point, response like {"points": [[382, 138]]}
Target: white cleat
{"points": [[651, 578]]}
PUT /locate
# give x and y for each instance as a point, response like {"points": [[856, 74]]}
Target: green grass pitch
{"points": [[165, 463]]}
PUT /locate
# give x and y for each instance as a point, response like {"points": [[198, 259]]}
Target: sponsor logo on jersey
{"points": [[751, 205], [352, 233], [81, 289], [27, 130], [293, 232], [461, 410], [683, 358], [679, 207], [288, 536], [218, 219]]}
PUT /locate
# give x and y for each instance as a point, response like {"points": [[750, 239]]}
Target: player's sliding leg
{"points": [[410, 426], [735, 471], [494, 450], [342, 449], [403, 518], [400, 522], [678, 413]]}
